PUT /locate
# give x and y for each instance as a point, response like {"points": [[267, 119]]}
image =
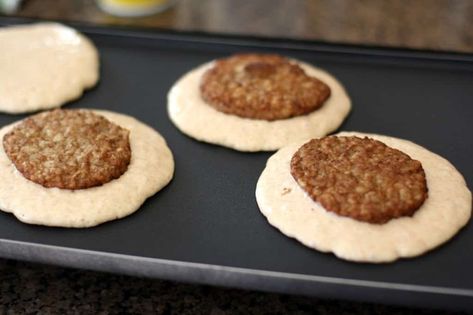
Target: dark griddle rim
{"points": [[193, 272]]}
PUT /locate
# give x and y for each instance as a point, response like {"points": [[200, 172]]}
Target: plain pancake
{"points": [[44, 65]]}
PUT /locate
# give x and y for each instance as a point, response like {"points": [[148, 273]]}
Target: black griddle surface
{"points": [[205, 227]]}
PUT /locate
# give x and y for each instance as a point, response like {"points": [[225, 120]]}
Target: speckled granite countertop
{"points": [[426, 24], [27, 288]]}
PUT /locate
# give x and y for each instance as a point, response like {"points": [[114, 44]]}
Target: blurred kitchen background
{"points": [[419, 24]]}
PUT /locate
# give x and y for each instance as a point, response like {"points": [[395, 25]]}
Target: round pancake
{"points": [[44, 65], [150, 169], [197, 119], [288, 208]]}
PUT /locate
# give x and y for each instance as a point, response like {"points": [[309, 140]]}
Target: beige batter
{"points": [[150, 169], [44, 65], [294, 213], [197, 119]]}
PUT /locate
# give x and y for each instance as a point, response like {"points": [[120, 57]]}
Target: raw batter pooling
{"points": [[364, 197], [80, 168], [257, 102], [44, 65]]}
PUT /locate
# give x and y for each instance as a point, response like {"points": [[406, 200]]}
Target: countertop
{"points": [[27, 288], [420, 24]]}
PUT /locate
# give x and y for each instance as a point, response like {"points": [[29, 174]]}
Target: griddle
{"points": [[205, 226]]}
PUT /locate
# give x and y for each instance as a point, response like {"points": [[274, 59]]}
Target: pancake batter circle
{"points": [[44, 65], [151, 168], [288, 208], [197, 119]]}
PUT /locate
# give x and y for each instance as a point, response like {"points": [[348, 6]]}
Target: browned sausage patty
{"points": [[260, 86], [70, 149], [360, 178]]}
